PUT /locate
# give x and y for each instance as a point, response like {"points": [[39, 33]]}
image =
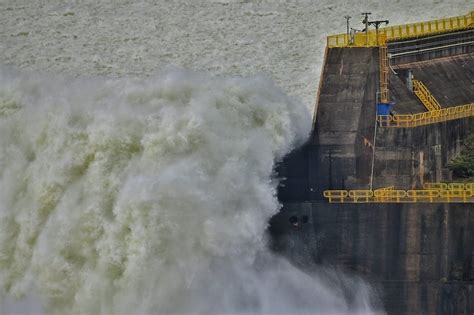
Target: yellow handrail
{"points": [[426, 118], [385, 188], [431, 192], [456, 186], [423, 194], [361, 195], [453, 195], [438, 186], [383, 56], [382, 194], [337, 195], [404, 31], [425, 96]]}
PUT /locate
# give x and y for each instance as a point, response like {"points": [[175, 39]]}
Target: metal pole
{"points": [[347, 17], [366, 22], [377, 25], [371, 181], [377, 33]]}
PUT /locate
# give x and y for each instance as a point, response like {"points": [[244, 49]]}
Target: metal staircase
{"points": [[428, 100]]}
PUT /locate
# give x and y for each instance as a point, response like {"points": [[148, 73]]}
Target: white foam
{"points": [[150, 196]]}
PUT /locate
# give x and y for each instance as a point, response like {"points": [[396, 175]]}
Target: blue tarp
{"points": [[383, 109]]}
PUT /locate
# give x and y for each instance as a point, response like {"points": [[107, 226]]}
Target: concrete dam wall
{"points": [[420, 256], [415, 254]]}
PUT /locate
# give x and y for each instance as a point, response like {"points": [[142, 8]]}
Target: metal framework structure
{"points": [[399, 32], [426, 118], [383, 57], [425, 96], [431, 193]]}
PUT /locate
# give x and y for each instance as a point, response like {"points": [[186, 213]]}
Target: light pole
{"points": [[347, 17], [377, 25], [366, 22]]}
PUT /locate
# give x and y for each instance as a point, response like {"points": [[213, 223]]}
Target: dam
{"points": [[370, 192]]}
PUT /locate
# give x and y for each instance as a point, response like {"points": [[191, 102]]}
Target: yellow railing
{"points": [[383, 56], [358, 40], [336, 195], [384, 193], [437, 186], [384, 189], [425, 96], [431, 193], [430, 27], [456, 186], [426, 118], [402, 32], [457, 195], [361, 195]]}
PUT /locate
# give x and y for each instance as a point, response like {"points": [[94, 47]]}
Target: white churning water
{"points": [[151, 196]]}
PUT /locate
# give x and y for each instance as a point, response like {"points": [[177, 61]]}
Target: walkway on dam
{"points": [[431, 192], [416, 42], [449, 81]]}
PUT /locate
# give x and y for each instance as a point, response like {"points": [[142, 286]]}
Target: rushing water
{"points": [[127, 196], [152, 196]]}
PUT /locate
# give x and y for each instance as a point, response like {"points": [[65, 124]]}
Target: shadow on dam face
{"points": [[296, 236], [418, 257]]}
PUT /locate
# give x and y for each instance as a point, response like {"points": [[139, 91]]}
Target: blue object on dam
{"points": [[383, 109]]}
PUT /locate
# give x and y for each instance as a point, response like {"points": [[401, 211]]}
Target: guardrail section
{"points": [[400, 32], [431, 193], [426, 118], [425, 96]]}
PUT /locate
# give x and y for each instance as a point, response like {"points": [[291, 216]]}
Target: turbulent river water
{"points": [[127, 189], [150, 196]]}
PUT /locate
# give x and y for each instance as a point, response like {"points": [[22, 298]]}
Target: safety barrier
{"points": [[456, 186], [425, 96], [336, 195], [431, 193], [383, 57], [430, 27], [387, 194], [400, 32], [437, 186], [422, 194], [449, 186], [384, 189], [456, 195], [426, 118], [361, 195], [372, 39]]}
